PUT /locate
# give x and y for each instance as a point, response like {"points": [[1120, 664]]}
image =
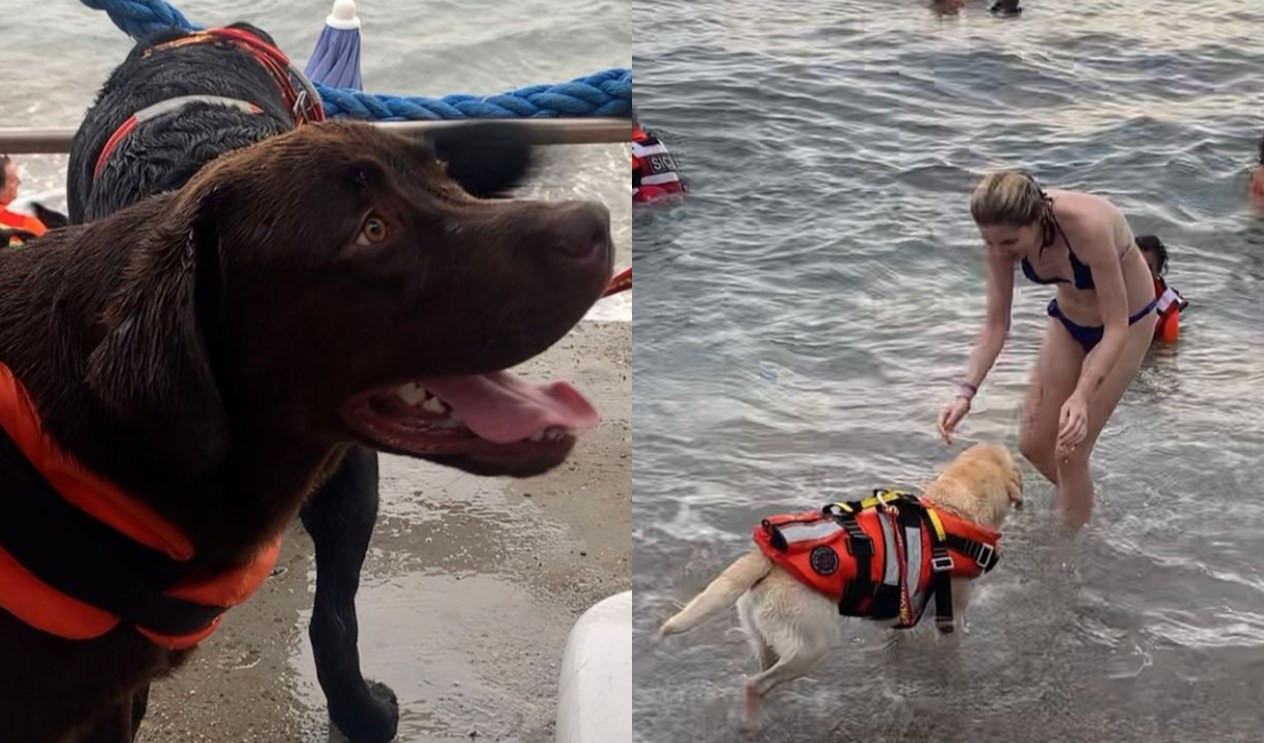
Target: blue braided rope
{"points": [[605, 93], [141, 18]]}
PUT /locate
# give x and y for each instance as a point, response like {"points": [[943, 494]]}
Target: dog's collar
{"points": [[78, 554], [296, 90]]}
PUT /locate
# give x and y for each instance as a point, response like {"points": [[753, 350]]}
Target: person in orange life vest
{"points": [[15, 227], [1170, 302], [654, 173], [1256, 188]]}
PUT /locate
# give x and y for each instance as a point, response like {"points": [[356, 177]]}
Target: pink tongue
{"points": [[503, 409]]}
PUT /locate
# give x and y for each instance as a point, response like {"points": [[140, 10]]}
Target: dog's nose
{"points": [[584, 232]]}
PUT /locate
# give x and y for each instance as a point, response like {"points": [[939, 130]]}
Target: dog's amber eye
{"points": [[372, 231]]}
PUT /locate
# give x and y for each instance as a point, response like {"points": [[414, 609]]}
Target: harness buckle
{"points": [[299, 112], [941, 561], [986, 557]]}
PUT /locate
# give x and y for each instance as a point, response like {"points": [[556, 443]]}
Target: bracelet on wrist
{"points": [[966, 390]]}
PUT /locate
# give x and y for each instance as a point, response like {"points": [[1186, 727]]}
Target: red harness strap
{"points": [[296, 90], [157, 109], [40, 605]]}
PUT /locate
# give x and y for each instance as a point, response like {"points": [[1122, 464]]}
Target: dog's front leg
{"points": [[120, 723], [340, 517], [140, 703]]}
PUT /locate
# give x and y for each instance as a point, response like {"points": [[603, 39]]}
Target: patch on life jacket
{"points": [[824, 560], [660, 163], [884, 557]]}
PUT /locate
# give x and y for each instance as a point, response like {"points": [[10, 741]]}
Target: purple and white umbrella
{"points": [[335, 61]]}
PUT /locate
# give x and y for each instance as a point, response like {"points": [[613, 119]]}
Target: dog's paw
{"points": [[372, 718]]}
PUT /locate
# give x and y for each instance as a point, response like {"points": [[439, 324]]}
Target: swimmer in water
{"points": [[15, 227], [1006, 8], [1257, 177], [1170, 303], [1100, 323], [654, 173]]}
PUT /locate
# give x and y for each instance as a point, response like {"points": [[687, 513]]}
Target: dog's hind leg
{"points": [[764, 654], [792, 662], [800, 636], [340, 517]]}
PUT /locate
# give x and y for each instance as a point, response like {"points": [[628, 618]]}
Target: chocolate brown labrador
{"points": [[214, 352], [160, 154]]}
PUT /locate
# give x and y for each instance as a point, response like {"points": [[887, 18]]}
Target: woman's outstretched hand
{"points": [[1072, 424], [951, 415]]}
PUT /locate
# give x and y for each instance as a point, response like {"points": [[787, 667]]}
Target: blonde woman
{"points": [[1100, 323]]}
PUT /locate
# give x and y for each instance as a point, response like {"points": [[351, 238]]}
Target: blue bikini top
{"points": [[1080, 271]]}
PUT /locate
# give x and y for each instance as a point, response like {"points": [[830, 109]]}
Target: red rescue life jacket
{"points": [[882, 557], [1170, 305], [46, 608], [17, 220], [654, 173]]}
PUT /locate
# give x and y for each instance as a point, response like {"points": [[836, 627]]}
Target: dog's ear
{"points": [[51, 218], [154, 367], [1015, 485], [486, 159]]}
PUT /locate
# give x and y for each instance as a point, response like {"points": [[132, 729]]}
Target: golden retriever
{"points": [[791, 626]]}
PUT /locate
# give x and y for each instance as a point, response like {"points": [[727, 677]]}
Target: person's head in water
{"points": [[1256, 187], [1007, 8], [1012, 213], [9, 180], [1155, 253]]}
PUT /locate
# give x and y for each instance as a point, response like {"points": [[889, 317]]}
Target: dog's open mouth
{"points": [[496, 413]]}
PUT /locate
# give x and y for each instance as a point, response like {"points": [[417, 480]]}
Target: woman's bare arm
{"points": [[1098, 250], [999, 267]]}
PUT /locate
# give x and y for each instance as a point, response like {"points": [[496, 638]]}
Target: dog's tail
{"points": [[721, 593]]}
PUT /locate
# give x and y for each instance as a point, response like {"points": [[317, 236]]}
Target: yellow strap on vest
{"points": [[883, 496], [939, 526]]}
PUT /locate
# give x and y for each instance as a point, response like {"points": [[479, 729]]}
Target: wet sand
{"points": [[468, 593]]}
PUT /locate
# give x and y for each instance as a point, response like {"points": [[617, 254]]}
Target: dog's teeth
{"points": [[538, 435], [411, 393], [555, 434], [433, 404]]}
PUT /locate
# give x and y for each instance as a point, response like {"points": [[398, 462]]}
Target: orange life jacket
{"points": [[882, 557], [654, 172], [37, 603], [1170, 304], [19, 221]]}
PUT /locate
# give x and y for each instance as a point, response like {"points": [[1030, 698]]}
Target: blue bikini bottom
{"points": [[1091, 335]]}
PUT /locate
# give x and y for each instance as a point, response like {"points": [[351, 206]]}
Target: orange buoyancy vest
{"points": [[882, 557], [102, 504], [19, 221], [1170, 304]]}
